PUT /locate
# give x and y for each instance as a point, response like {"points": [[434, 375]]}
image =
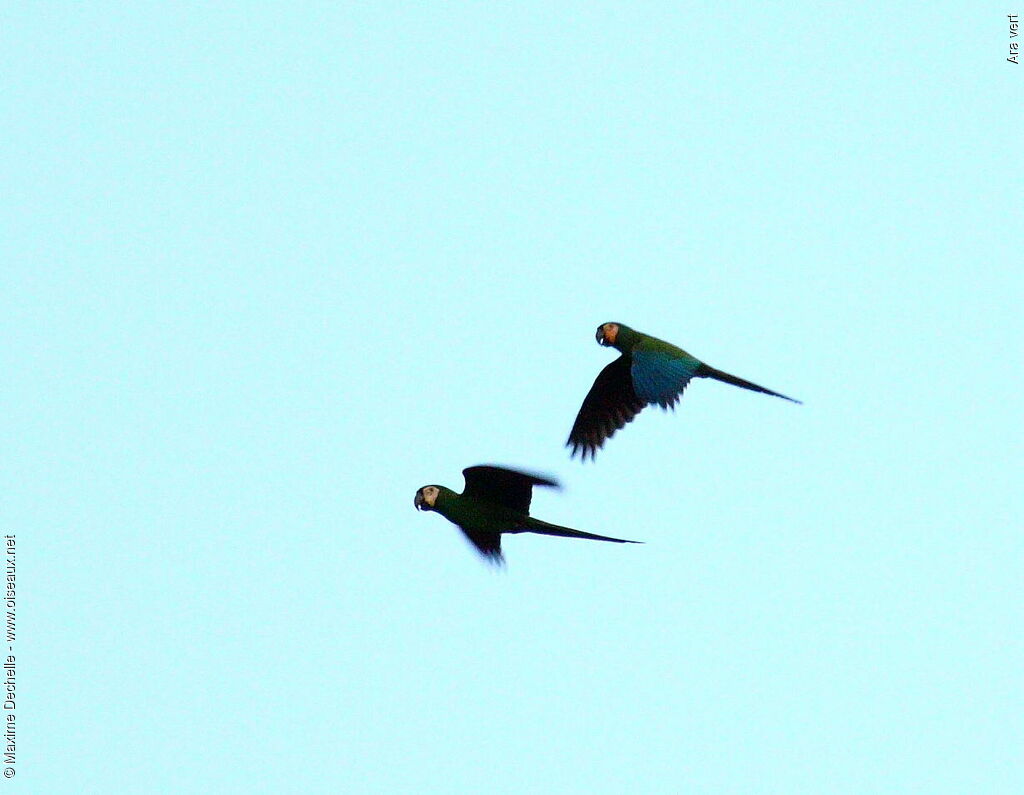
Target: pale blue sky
{"points": [[268, 269]]}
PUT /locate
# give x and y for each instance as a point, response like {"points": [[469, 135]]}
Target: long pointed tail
{"points": [[544, 528], [704, 371]]}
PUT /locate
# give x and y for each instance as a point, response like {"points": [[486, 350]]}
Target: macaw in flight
{"points": [[648, 371], [495, 501]]}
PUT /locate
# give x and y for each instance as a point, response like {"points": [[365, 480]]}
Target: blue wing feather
{"points": [[660, 378]]}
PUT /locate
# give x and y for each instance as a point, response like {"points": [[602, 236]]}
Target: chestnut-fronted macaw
{"points": [[495, 501], [648, 371]]}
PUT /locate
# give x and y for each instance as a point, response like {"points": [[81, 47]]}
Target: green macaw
{"points": [[648, 371], [495, 501]]}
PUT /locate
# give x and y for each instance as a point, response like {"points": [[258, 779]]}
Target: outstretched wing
{"points": [[487, 544], [609, 405], [503, 487], [660, 377]]}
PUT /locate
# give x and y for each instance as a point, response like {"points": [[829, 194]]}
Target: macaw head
{"points": [[426, 497], [607, 333]]}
